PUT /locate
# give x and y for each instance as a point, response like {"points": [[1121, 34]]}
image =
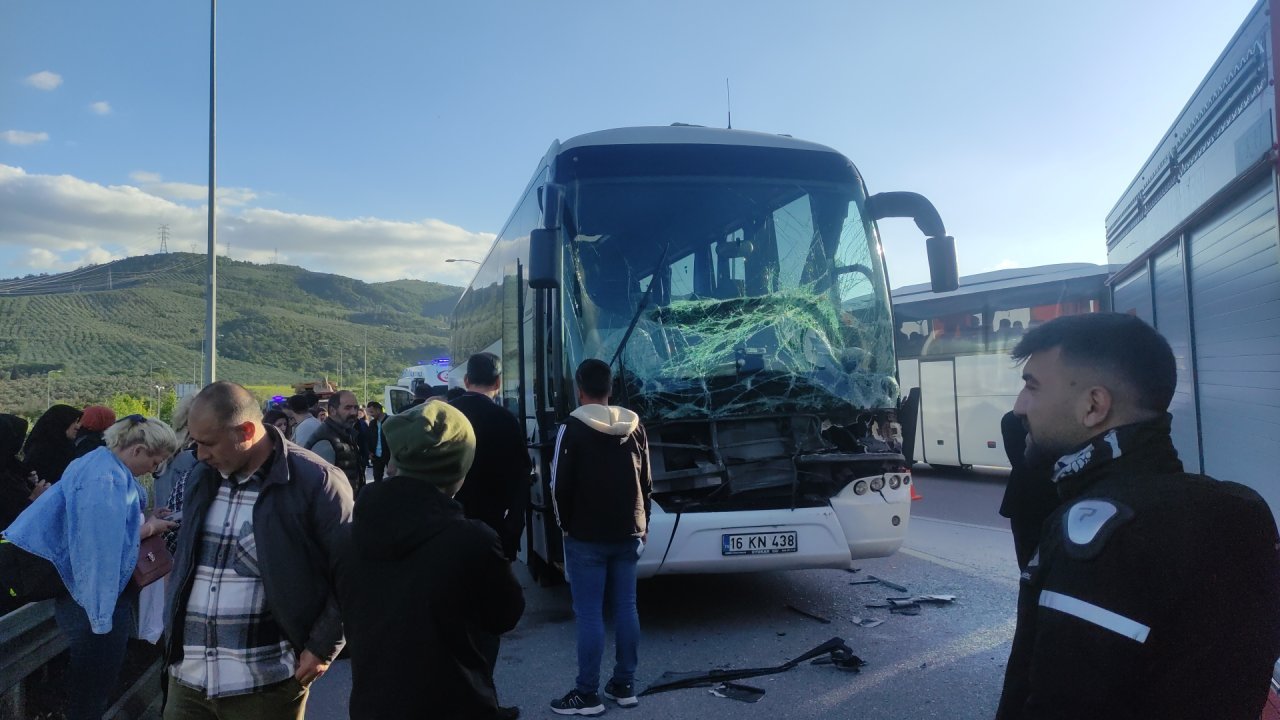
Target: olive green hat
{"points": [[432, 441]]}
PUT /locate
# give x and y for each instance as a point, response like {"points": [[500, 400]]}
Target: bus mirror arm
{"points": [[544, 242], [943, 273]]}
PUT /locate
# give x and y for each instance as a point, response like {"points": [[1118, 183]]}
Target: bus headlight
{"points": [[906, 480], [894, 482], [860, 487], [877, 484]]}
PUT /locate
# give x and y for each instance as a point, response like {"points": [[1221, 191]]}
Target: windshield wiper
{"points": [[644, 302]]}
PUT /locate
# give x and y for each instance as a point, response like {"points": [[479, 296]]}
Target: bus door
{"points": [[939, 432]]}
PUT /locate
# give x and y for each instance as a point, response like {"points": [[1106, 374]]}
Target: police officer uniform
{"points": [[1154, 594]]}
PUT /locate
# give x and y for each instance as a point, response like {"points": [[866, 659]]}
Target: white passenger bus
{"points": [[955, 347], [733, 280]]}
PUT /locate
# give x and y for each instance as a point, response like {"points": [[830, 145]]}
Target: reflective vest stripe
{"points": [[1088, 612]]}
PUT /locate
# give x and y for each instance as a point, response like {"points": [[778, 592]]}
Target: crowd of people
{"points": [[283, 555], [1146, 591]]}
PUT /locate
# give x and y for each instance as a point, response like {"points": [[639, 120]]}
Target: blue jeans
{"points": [[95, 660], [598, 572]]}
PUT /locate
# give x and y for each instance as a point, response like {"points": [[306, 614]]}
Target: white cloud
{"points": [[102, 107], [155, 184], [44, 80], [23, 137], [59, 222]]}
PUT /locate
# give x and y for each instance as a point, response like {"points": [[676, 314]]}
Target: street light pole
{"points": [[211, 292], [366, 365]]}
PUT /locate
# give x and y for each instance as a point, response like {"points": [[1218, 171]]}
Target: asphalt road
{"points": [[947, 662]]}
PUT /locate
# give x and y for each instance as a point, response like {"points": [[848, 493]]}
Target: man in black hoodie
{"points": [[601, 483], [424, 592]]}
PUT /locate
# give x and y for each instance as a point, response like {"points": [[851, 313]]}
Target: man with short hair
{"points": [[375, 441], [601, 483], [425, 592], [1154, 593], [336, 440], [498, 484], [298, 408], [251, 614]]}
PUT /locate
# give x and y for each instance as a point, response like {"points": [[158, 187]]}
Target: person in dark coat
{"points": [[424, 592], [19, 486], [1030, 497], [51, 445], [497, 487], [1154, 591], [375, 442]]}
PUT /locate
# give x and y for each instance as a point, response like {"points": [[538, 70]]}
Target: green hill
{"points": [[132, 324]]}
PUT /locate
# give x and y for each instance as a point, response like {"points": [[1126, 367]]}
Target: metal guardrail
{"points": [[29, 639]]}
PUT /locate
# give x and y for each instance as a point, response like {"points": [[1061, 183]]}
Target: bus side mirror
{"points": [[944, 276], [544, 257], [544, 242], [943, 273]]}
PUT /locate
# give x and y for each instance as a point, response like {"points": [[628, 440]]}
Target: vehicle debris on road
{"points": [[834, 651]]}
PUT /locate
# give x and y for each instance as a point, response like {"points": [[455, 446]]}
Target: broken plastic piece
{"points": [[808, 614], [841, 660], [865, 622], [869, 581], [734, 691], [676, 680], [888, 584]]}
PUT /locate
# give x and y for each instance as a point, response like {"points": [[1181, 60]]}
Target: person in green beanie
{"points": [[425, 593]]}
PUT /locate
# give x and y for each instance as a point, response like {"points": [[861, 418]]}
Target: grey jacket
{"points": [[303, 504]]}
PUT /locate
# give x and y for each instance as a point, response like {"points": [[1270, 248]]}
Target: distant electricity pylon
{"points": [[164, 238]]}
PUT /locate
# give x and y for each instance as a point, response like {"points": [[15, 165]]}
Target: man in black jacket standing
{"points": [[374, 442], [498, 485], [601, 483], [1029, 496], [1154, 593], [424, 591]]}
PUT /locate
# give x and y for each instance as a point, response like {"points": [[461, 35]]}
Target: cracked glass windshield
{"points": [[730, 295]]}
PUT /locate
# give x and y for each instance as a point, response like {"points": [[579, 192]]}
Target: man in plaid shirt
{"points": [[252, 618]]}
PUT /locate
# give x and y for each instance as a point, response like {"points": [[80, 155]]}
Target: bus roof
{"points": [[689, 135], [975, 289]]}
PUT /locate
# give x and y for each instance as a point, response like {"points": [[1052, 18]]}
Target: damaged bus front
{"points": [[735, 282]]}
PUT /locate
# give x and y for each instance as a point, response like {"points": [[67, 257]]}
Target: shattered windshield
{"points": [[735, 295]]}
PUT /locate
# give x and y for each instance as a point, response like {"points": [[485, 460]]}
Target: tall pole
{"points": [[211, 292], [366, 365]]}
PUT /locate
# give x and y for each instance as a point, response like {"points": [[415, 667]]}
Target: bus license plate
{"points": [[759, 543]]}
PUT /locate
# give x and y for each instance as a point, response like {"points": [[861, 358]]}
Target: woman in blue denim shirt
{"points": [[89, 525]]}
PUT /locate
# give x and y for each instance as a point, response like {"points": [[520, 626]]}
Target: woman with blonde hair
{"points": [[89, 526]]}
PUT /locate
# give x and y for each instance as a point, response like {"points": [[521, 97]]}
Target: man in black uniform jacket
{"points": [[1030, 495], [498, 484], [1154, 593]]}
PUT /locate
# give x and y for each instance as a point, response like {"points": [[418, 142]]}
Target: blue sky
{"points": [[376, 139]]}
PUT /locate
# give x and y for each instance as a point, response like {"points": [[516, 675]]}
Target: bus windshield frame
{"points": [[758, 289]]}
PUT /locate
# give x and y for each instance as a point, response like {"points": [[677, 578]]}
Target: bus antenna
{"points": [[728, 102]]}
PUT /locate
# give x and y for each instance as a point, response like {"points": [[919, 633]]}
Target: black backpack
{"points": [[25, 578]]}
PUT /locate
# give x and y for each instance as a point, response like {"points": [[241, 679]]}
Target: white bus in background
{"points": [[734, 280], [955, 347], [399, 396]]}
